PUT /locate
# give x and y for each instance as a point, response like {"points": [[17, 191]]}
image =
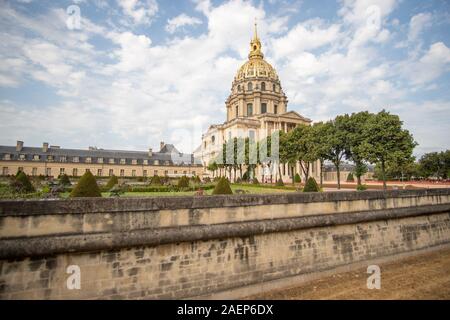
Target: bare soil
{"points": [[426, 276]]}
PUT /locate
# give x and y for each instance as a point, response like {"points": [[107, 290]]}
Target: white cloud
{"points": [[142, 12], [417, 24], [181, 21]]}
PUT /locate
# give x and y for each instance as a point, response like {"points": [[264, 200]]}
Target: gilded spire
{"points": [[255, 45]]}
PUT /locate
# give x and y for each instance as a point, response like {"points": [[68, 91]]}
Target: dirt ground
{"points": [[426, 276]]}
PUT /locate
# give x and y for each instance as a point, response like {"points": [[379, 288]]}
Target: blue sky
{"points": [[134, 73]]}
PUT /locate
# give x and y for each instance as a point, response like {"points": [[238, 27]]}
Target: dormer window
{"points": [[123, 161], [49, 158], [111, 161], [36, 157], [88, 160], [62, 159], [7, 157], [134, 161], [156, 162], [145, 162], [99, 160], [22, 157], [76, 159]]}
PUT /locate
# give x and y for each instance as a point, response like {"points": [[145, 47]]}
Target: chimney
{"points": [[45, 147], [19, 145], [150, 152], [161, 145]]}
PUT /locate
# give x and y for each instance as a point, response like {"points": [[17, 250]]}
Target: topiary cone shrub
{"points": [[350, 177], [86, 187], [222, 187], [255, 181], [280, 183], [64, 180], [113, 180], [183, 182], [297, 178], [156, 180], [21, 183], [311, 185]]}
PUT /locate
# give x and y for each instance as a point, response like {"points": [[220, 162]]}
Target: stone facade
{"points": [[150, 248]]}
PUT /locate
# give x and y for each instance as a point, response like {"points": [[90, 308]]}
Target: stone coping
{"points": [[139, 204]]}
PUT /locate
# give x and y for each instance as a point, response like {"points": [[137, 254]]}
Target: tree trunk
{"points": [[321, 173], [384, 175], [338, 171]]}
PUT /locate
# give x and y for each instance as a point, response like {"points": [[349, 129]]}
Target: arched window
{"points": [[239, 87], [274, 87], [263, 86], [250, 86], [237, 111]]}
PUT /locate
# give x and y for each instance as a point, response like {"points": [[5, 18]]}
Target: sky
{"points": [[127, 74]]}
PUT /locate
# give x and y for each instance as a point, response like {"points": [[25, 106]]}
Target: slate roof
{"points": [[168, 155]]}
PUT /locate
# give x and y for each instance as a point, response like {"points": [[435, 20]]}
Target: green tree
{"points": [[111, 182], [300, 143], [297, 178], [386, 141], [21, 183], [321, 145], [435, 164], [350, 177], [183, 182], [64, 180], [355, 126], [86, 187], [212, 166], [337, 136]]}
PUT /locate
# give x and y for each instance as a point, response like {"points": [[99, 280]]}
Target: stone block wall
{"points": [[187, 247]]}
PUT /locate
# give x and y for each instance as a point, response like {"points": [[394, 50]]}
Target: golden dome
{"points": [[256, 66]]}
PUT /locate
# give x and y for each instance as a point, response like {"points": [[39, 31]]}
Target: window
{"points": [[61, 171], [49, 158], [76, 159], [145, 162], [213, 139], [251, 135], [156, 162], [184, 172], [62, 159], [155, 173], [134, 161], [250, 86], [239, 87], [34, 172], [48, 172], [249, 109], [111, 172], [166, 172], [99, 160], [36, 157], [88, 160], [20, 169], [274, 87], [75, 172], [193, 172], [123, 161], [229, 135], [22, 157], [122, 172], [99, 172], [237, 111], [133, 173], [275, 109], [166, 163], [263, 107], [263, 86], [5, 171], [7, 157], [111, 161], [175, 172], [144, 173], [87, 170]]}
